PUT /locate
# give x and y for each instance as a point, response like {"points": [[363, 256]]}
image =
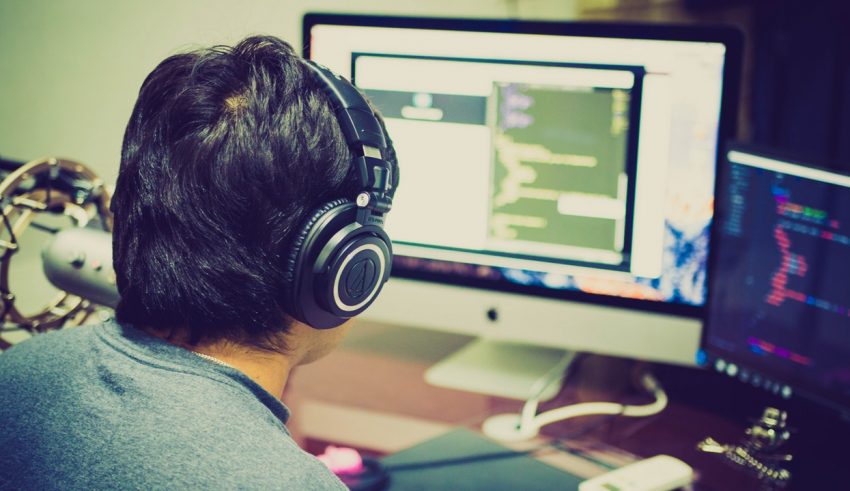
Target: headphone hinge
{"points": [[373, 212], [375, 174]]}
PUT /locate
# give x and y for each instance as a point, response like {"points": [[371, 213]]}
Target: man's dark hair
{"points": [[226, 153]]}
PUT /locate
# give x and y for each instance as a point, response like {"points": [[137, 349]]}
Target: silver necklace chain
{"points": [[211, 358]]}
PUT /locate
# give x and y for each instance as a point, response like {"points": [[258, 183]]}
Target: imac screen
{"points": [[545, 162]]}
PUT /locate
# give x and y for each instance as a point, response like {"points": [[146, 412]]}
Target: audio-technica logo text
{"points": [[361, 278]]}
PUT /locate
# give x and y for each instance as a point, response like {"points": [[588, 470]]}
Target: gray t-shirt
{"points": [[111, 407]]}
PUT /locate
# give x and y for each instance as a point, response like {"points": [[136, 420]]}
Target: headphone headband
{"points": [[365, 137]]}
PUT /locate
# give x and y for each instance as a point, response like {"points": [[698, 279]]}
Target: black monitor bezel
{"points": [[799, 386], [730, 37]]}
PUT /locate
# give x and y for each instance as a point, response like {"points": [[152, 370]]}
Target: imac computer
{"points": [[780, 306], [557, 180]]}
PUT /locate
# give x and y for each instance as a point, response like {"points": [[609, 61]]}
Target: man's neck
{"points": [[269, 369]]}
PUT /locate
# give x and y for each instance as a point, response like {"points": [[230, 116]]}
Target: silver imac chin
{"points": [[523, 319], [520, 338]]}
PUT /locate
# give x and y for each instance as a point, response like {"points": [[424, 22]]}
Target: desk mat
{"points": [[516, 473]]}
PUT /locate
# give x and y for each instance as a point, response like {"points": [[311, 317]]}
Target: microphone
{"points": [[79, 261]]}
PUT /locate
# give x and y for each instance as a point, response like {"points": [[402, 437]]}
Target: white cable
{"points": [[555, 374], [591, 408], [514, 427]]}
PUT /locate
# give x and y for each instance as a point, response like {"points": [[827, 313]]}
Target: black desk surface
{"points": [[522, 472]]}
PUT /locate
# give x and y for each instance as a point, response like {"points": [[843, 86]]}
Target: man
{"points": [[227, 153]]}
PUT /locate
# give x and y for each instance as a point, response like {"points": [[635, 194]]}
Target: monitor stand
{"points": [[503, 369]]}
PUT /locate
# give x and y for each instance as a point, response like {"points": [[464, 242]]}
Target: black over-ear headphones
{"points": [[341, 258]]}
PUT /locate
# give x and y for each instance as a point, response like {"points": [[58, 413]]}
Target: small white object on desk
{"points": [[659, 473]]}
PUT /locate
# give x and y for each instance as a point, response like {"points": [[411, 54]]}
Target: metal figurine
{"points": [[758, 452]]}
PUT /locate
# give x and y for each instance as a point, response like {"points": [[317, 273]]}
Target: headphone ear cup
{"points": [[356, 272], [290, 267], [336, 266], [295, 250]]}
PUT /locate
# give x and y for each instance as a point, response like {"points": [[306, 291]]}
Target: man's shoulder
{"points": [[223, 460], [276, 463], [229, 449], [68, 337], [43, 351]]}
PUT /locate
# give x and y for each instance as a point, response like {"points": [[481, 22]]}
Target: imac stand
{"points": [[530, 373], [503, 369]]}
